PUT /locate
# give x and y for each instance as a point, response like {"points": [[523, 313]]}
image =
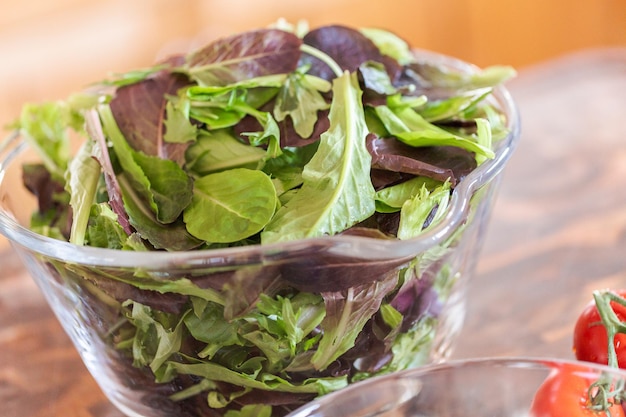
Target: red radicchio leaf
{"points": [[139, 110], [437, 162], [348, 47], [244, 56]]}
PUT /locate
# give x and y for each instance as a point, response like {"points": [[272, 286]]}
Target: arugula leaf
{"points": [[263, 381], [296, 317], [178, 127], [375, 78], [300, 98], [269, 136], [230, 206], [346, 314], [155, 341], [337, 192], [207, 324]]}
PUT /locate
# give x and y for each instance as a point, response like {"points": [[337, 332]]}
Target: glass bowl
{"points": [[199, 333], [486, 387]]}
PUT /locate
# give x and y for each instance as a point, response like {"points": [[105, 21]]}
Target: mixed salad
{"points": [[272, 135]]}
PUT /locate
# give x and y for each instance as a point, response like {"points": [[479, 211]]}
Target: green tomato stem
{"points": [[611, 322], [613, 325]]}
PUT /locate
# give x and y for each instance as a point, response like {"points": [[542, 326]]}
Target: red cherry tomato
{"points": [[590, 337], [564, 393]]}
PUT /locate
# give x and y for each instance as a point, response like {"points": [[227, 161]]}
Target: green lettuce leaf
{"points": [[408, 126], [44, 126], [82, 180], [337, 191], [416, 211]]}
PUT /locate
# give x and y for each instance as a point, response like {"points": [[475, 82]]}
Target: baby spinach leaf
{"points": [[219, 150], [164, 186], [172, 236], [230, 206], [337, 192], [170, 186], [243, 56]]}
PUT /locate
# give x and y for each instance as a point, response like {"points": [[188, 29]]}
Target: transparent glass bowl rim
{"points": [[354, 247], [412, 375]]}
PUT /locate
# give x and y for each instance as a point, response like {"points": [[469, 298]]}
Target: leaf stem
{"points": [[314, 52]]}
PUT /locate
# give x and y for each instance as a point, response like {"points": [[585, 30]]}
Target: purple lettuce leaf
{"points": [[437, 162], [140, 109], [101, 154], [348, 47], [244, 56]]}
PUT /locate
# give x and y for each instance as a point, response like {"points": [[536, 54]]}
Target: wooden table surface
{"points": [[558, 232]]}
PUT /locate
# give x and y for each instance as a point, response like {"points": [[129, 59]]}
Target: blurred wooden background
{"points": [[50, 48]]}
